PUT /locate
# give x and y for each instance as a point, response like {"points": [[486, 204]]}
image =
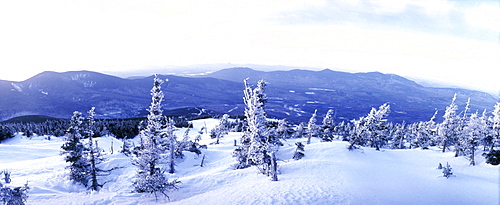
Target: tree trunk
{"points": [[473, 162], [274, 167], [172, 157]]}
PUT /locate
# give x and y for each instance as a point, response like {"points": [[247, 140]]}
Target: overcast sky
{"points": [[448, 41]]}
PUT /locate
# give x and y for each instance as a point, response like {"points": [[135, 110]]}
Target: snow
{"points": [[328, 174], [323, 89]]}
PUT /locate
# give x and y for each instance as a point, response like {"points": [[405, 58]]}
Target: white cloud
{"points": [[485, 16]]}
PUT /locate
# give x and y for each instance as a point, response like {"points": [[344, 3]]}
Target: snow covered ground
{"points": [[328, 174]]}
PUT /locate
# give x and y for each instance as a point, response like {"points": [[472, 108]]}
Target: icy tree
{"points": [[94, 152], [257, 145], [496, 127], [311, 127], [398, 133], [474, 132], [425, 132], [74, 151], [299, 151], [376, 125], [371, 129], [356, 136], [284, 129], [149, 177], [221, 129], [327, 129], [448, 130], [14, 196], [447, 171], [171, 144], [300, 130], [6, 176]]}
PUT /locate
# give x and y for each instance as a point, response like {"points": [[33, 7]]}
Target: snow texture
{"points": [[328, 174]]}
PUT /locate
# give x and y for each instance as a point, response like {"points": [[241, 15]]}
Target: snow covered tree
{"points": [[371, 129], [257, 145], [74, 151], [300, 130], [6, 176], [425, 132], [150, 178], [14, 196], [398, 136], [299, 151], [448, 130], [95, 156], [312, 128], [220, 129], [327, 129], [474, 132], [284, 129], [171, 144], [447, 171], [496, 127], [356, 136]]}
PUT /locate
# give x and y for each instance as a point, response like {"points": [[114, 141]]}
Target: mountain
{"points": [[353, 94], [59, 94], [293, 94]]}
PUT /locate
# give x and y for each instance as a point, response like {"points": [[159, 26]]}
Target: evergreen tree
{"points": [[94, 152], [171, 144], [398, 136], [377, 126], [14, 196], [299, 151], [496, 127], [357, 133], [300, 130], [284, 129], [371, 129], [475, 131], [257, 145], [425, 132], [221, 129], [447, 171], [327, 129], [312, 127], [149, 177], [448, 130], [74, 151]]}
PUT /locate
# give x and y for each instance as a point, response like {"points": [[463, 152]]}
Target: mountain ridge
{"points": [[293, 94]]}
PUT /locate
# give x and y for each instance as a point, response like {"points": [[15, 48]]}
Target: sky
{"points": [[451, 42]]}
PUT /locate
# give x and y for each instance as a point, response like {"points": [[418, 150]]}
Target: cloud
{"points": [[432, 16]]}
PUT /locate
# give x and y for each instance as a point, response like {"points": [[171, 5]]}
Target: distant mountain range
{"points": [[293, 94]]}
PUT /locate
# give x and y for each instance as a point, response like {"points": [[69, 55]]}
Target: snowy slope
{"points": [[329, 174]]}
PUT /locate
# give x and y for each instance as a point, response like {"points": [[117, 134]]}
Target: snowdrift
{"points": [[328, 174]]}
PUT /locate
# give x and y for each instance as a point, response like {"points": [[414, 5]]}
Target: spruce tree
{"points": [[448, 130], [372, 129], [221, 129], [327, 129], [311, 127], [496, 127], [150, 178], [474, 132], [94, 153], [299, 151], [257, 147], [15, 195], [447, 171], [74, 151]]}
